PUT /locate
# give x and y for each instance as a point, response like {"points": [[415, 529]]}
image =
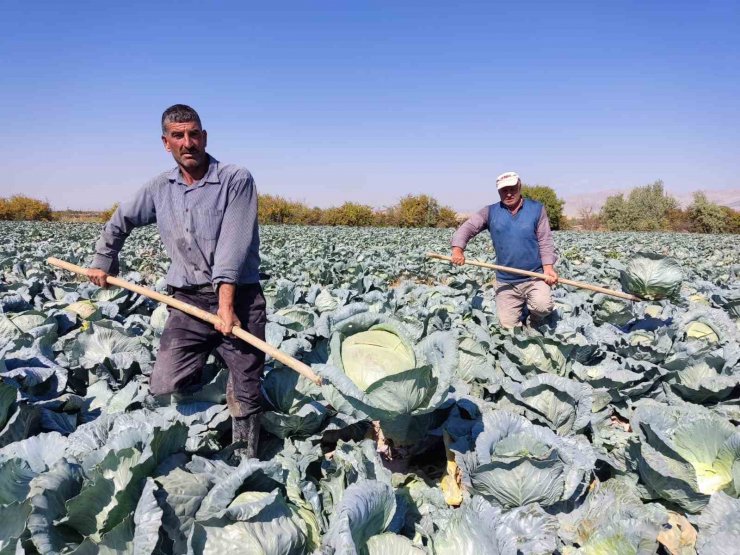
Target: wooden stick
{"points": [[564, 281], [303, 369]]}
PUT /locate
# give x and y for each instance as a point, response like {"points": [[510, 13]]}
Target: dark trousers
{"points": [[187, 341]]}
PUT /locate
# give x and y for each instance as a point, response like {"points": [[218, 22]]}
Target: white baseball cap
{"points": [[508, 179]]}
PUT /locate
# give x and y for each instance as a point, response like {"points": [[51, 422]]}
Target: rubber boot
{"points": [[245, 432]]}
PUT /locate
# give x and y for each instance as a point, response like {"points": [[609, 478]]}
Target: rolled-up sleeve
{"points": [[470, 228], [239, 234], [131, 214], [548, 253]]}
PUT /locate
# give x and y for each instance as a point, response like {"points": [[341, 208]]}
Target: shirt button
{"points": [[189, 249], [187, 210]]}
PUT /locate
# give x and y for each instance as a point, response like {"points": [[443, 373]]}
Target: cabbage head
{"points": [[651, 276], [706, 325], [371, 355], [479, 527], [293, 400], [613, 519], [516, 462], [701, 382], [377, 371], [561, 404], [686, 453]]}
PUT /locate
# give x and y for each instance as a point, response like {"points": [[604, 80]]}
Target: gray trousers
{"points": [[512, 297], [187, 341]]}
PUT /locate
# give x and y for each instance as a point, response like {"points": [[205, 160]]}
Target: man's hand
{"points": [[458, 256], [552, 275], [228, 319], [226, 296], [97, 276]]}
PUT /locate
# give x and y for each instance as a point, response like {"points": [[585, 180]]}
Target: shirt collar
{"points": [[211, 175]]}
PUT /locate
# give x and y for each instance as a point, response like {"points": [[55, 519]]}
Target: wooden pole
{"points": [[303, 369], [564, 281]]}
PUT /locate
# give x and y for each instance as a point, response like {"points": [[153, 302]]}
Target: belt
{"points": [[206, 288], [191, 289]]}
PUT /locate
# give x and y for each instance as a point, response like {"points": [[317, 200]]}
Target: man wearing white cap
{"points": [[522, 239]]}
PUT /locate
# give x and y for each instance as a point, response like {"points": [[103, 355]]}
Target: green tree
{"points": [[553, 205], [647, 208], [732, 219], [614, 214], [706, 216], [650, 207]]}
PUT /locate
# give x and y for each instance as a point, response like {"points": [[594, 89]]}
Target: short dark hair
{"points": [[179, 113]]}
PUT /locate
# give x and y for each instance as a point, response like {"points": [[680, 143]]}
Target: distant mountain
{"points": [[575, 203]]}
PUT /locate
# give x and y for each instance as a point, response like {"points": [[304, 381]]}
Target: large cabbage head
{"points": [[704, 381], [706, 325], [686, 453], [371, 355], [516, 462], [377, 371], [651, 276]]}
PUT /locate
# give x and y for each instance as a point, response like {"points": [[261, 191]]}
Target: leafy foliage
{"points": [[611, 428], [650, 208], [647, 208], [553, 205], [411, 211], [416, 211], [20, 207], [349, 213], [705, 216]]}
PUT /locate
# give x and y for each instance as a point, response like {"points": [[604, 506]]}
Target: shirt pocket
{"points": [[207, 223]]}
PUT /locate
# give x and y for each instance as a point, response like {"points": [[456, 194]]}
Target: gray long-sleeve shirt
{"points": [[479, 221], [209, 229]]}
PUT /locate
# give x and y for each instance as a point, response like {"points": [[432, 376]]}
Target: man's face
{"points": [[510, 196], [187, 143]]}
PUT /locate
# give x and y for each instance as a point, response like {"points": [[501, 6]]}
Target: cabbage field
{"points": [[610, 429]]}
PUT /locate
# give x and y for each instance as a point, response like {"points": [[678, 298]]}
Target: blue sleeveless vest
{"points": [[515, 239]]}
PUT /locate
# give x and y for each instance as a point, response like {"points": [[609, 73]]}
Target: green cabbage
{"points": [[686, 453], [651, 276]]}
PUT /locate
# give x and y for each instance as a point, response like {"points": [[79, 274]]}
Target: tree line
{"points": [[410, 211], [647, 208], [650, 208]]}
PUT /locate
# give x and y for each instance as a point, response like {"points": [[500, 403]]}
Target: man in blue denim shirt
{"points": [[206, 213]]}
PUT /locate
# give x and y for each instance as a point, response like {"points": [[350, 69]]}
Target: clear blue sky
{"points": [[331, 101]]}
